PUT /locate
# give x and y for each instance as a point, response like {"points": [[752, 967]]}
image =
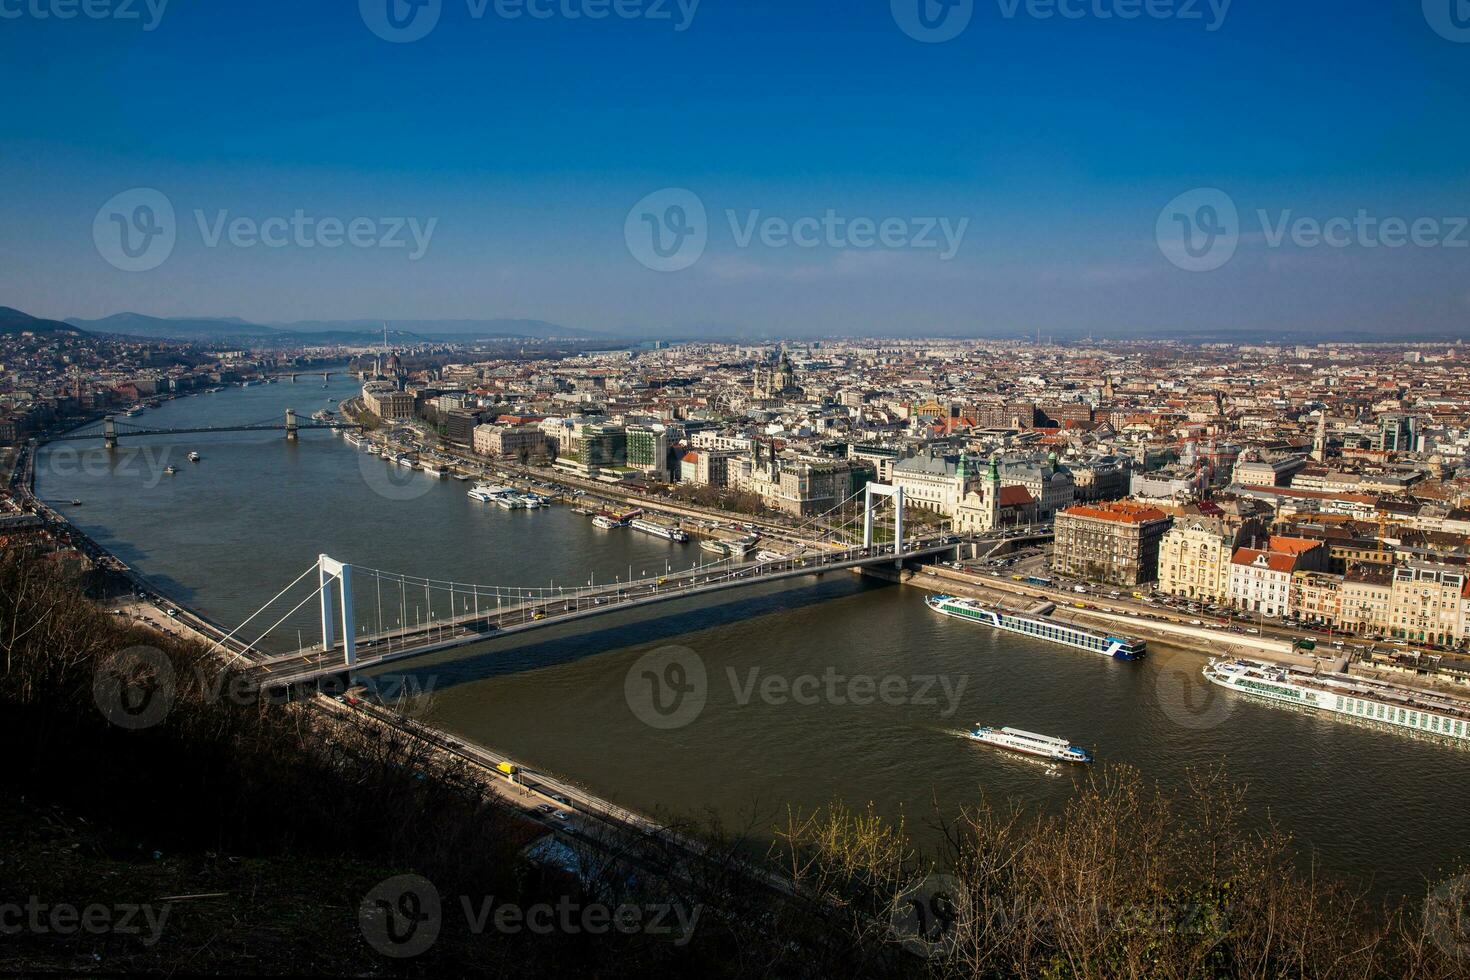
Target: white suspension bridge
{"points": [[867, 528]]}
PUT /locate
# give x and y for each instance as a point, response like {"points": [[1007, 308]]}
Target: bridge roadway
{"points": [[378, 649]]}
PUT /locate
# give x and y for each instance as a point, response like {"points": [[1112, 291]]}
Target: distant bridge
{"points": [[112, 429]]}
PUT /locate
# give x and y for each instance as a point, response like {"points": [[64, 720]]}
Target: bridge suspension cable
{"points": [[475, 609]]}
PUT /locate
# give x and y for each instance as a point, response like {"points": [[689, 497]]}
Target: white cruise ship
{"points": [[659, 530], [1341, 694], [1029, 743], [1117, 647]]}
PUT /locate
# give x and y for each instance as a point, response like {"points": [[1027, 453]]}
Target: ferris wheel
{"points": [[730, 401]]}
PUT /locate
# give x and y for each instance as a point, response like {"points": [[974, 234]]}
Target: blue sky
{"points": [[1056, 141]]}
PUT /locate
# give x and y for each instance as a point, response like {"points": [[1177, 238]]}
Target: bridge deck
{"points": [[379, 649]]}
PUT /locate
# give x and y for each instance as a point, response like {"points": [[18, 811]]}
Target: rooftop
{"points": [[1123, 511]]}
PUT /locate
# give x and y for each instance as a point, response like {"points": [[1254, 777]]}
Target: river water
{"points": [[788, 694]]}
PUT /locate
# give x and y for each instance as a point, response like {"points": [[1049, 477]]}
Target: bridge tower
{"points": [[290, 425], [109, 432], [334, 574], [877, 491]]}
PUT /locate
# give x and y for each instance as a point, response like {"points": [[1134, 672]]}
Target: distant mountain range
{"points": [[14, 321], [404, 333], [305, 332]]}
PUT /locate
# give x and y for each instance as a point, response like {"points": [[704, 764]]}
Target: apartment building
{"points": [[1426, 605], [1260, 581], [1264, 580], [1116, 543], [508, 440], [1194, 558], [648, 450], [384, 400], [1367, 595]]}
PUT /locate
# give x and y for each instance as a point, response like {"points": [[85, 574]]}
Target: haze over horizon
{"points": [[1022, 175]]}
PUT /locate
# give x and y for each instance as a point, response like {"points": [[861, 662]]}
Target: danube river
{"points": [[824, 688]]}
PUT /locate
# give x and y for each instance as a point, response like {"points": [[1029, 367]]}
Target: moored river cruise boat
{"points": [[1117, 647], [1341, 694]]}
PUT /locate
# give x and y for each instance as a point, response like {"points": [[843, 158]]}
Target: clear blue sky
{"points": [[528, 141]]}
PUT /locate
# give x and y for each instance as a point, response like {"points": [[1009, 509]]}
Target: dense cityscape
{"points": [[1324, 487], [1295, 517], [642, 488]]}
